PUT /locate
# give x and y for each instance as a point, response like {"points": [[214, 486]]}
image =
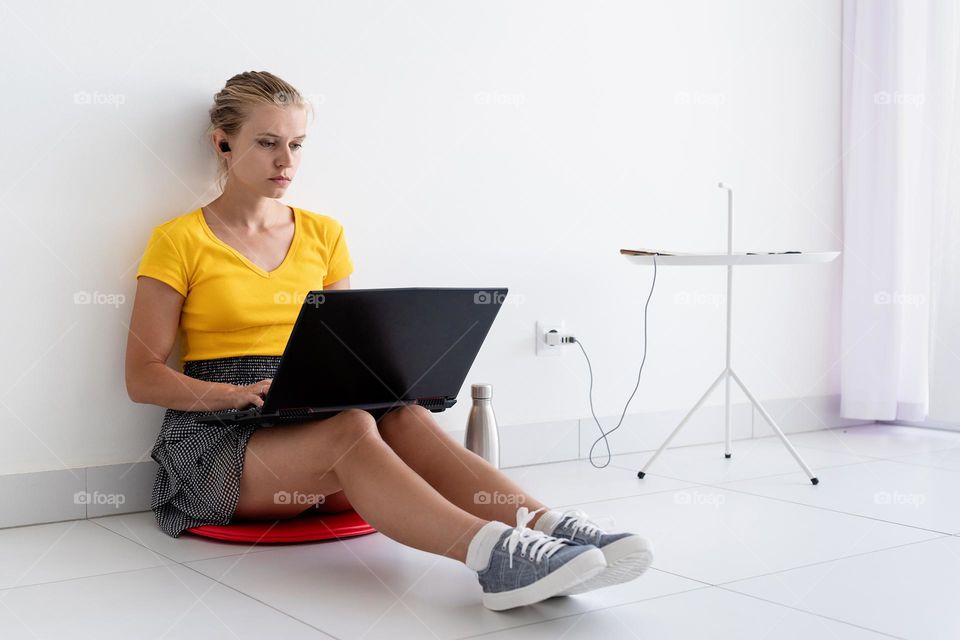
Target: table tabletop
{"points": [[736, 259]]}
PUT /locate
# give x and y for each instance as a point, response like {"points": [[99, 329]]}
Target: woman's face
{"points": [[267, 146]]}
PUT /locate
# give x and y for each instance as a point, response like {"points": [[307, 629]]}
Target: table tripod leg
{"points": [[773, 424], [706, 393], [726, 439]]}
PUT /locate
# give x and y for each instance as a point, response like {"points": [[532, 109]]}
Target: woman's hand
{"points": [[251, 394]]}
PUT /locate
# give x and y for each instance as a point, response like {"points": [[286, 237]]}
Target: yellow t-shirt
{"points": [[232, 307]]}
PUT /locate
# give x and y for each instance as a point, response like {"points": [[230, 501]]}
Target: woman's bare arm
{"points": [[153, 332]]}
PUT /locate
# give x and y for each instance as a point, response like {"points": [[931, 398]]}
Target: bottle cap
{"points": [[481, 391]]}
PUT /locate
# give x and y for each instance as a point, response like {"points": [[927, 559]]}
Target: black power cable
{"points": [[604, 434]]}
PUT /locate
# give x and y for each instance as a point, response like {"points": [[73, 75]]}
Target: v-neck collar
{"points": [[266, 274]]}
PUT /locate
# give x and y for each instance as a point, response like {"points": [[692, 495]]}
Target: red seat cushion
{"points": [[304, 528]]}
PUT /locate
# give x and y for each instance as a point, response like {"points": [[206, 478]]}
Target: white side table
{"points": [[730, 260]]}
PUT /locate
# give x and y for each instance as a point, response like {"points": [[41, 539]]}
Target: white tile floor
{"points": [[745, 548]]}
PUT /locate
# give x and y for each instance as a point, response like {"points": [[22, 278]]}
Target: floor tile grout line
{"points": [[153, 568], [582, 613], [207, 591], [255, 599], [924, 465], [820, 562], [186, 564], [75, 578], [582, 458], [772, 475], [223, 584], [690, 485], [822, 508], [669, 595], [678, 575], [248, 550], [938, 534], [197, 599], [812, 613], [833, 466], [866, 455]]}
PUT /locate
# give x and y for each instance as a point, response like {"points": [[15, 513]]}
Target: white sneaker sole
{"points": [[627, 559], [584, 567]]}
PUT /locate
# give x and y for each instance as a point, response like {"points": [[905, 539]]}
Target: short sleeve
{"points": [[340, 265], [162, 260]]}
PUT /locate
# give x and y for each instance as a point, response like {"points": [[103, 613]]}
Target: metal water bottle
{"points": [[481, 436]]}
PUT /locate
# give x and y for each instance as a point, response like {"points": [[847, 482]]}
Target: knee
{"points": [[341, 432], [405, 420], [353, 425]]}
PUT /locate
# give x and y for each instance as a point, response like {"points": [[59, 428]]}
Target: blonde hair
{"points": [[232, 105]]}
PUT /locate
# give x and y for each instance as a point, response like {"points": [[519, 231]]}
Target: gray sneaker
{"points": [[528, 566], [627, 555]]}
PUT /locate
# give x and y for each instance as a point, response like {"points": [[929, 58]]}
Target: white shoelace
{"points": [[577, 519], [540, 544]]}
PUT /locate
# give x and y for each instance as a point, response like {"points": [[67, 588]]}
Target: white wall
{"points": [[450, 135]]}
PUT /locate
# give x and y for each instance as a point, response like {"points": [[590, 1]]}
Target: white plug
{"points": [[548, 338]]}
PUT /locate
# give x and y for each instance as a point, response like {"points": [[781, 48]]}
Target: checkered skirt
{"points": [[198, 481]]}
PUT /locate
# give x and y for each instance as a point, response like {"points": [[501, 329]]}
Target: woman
{"points": [[230, 277]]}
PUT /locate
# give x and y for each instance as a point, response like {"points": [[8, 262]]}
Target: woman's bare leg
{"points": [[460, 475], [346, 452]]}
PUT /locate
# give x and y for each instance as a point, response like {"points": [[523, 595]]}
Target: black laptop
{"points": [[374, 349]]}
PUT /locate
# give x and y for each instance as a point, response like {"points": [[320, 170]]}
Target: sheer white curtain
{"points": [[899, 206]]}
